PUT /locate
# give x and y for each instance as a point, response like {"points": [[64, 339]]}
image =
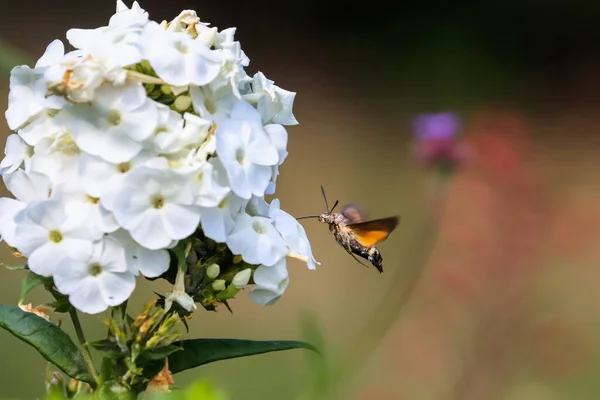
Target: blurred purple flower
{"points": [[436, 143], [436, 126]]}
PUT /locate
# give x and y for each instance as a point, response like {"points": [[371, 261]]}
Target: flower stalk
{"points": [[84, 346]]}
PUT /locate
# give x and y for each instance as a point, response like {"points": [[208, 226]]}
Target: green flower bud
{"points": [[213, 271], [218, 285], [166, 89], [182, 103]]}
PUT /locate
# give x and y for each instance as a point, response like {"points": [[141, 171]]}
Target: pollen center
{"points": [[113, 117], [55, 236], [123, 167], [223, 203], [93, 200], [239, 156], [95, 269], [160, 129], [259, 227], [158, 202]]}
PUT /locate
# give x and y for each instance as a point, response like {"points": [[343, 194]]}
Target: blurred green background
{"points": [[508, 304]]}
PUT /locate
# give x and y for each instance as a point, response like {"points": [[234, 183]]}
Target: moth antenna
{"points": [[334, 205], [325, 197], [308, 216]]}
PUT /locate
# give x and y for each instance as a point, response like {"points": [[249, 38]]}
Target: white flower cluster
{"points": [[107, 177]]}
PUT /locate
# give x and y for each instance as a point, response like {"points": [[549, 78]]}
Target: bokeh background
{"points": [[507, 304]]}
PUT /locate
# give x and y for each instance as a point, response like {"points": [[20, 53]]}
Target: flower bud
{"points": [[182, 103], [237, 259], [218, 285], [240, 280], [213, 271], [166, 89]]}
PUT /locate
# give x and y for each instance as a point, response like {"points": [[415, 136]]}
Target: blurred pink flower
{"points": [[436, 142]]}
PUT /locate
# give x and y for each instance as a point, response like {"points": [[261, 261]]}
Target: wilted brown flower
{"points": [[40, 311]]}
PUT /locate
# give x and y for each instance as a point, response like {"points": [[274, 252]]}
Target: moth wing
{"points": [[354, 213], [370, 233]]}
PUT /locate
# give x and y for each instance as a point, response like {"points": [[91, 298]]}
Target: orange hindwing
{"points": [[369, 233]]}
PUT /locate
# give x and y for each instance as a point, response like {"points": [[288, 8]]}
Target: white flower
{"points": [[78, 77], [47, 125], [210, 179], [156, 206], [177, 58], [258, 207], [54, 52], [172, 136], [9, 208], [233, 74], [178, 294], [122, 117], [45, 233], [56, 156], [246, 151], [180, 297], [140, 260], [271, 283], [168, 131], [27, 96], [16, 153], [103, 179], [256, 240], [206, 35], [279, 138], [139, 140], [136, 17], [117, 44], [218, 221], [213, 105], [26, 187], [89, 209], [293, 233], [274, 104], [98, 281]]}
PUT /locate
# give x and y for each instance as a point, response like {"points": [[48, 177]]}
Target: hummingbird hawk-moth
{"points": [[356, 236]]}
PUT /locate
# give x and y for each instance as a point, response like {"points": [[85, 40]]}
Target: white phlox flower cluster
{"points": [[129, 144]]}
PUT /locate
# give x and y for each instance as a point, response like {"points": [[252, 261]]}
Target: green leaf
{"points": [[48, 339], [198, 352], [108, 348], [30, 281], [158, 353]]}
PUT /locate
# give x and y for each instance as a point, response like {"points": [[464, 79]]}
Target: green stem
{"points": [[86, 353]]}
